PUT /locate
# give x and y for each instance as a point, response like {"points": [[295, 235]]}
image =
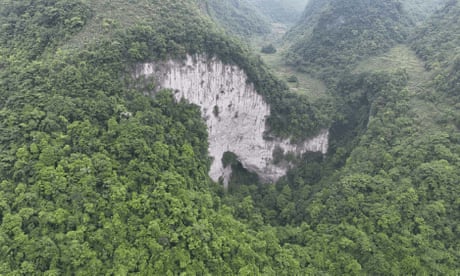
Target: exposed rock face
{"points": [[234, 112]]}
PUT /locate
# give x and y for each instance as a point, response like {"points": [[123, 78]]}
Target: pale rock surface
{"points": [[234, 112]]}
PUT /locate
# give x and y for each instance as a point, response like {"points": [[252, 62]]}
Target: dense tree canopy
{"points": [[344, 32], [437, 43], [237, 17], [384, 201], [97, 178]]}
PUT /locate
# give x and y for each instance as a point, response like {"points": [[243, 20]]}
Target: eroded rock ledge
{"points": [[234, 113]]}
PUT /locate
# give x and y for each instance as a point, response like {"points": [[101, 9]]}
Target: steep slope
{"points": [[42, 25], [397, 189], [436, 43], [212, 43], [234, 113], [281, 11], [384, 201], [97, 178], [402, 58], [421, 10], [237, 17], [343, 32], [307, 21]]}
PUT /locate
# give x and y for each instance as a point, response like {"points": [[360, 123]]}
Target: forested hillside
{"points": [[307, 21], [95, 177], [438, 44], [421, 10], [282, 11], [99, 177], [344, 32], [237, 17], [385, 199]]}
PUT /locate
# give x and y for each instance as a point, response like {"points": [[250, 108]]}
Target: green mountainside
{"points": [[345, 32], [97, 178], [438, 43], [385, 199], [303, 28], [281, 11], [237, 17], [420, 10]]}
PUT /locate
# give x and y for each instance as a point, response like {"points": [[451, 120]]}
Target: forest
{"points": [[99, 178]]}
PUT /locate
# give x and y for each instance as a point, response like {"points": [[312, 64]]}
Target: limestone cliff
{"points": [[234, 113]]}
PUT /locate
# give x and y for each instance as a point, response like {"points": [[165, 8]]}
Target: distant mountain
{"points": [[437, 42], [237, 17], [310, 14], [337, 33], [282, 11], [421, 10]]}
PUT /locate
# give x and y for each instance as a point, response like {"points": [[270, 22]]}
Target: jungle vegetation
{"points": [[98, 178]]}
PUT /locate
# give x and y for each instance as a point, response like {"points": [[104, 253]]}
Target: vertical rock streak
{"points": [[234, 112]]}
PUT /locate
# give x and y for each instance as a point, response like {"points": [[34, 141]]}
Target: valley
{"points": [[301, 83], [233, 137]]}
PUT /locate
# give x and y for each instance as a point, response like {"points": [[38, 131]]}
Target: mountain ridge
{"points": [[346, 32]]}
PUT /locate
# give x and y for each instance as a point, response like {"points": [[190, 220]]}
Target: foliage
{"points": [[31, 26], [237, 17], [420, 10], [292, 78], [149, 43], [229, 158], [437, 43], [384, 201], [268, 49], [97, 178], [286, 11], [397, 190], [345, 32]]}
